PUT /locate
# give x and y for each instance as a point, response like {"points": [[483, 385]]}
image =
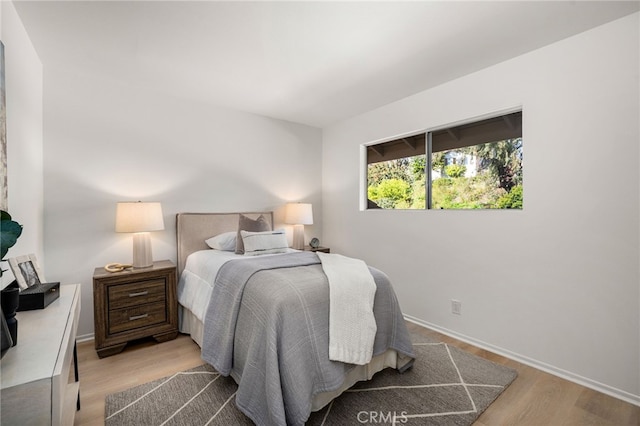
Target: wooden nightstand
{"points": [[132, 304], [320, 249]]}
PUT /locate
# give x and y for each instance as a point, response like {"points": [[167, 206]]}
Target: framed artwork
{"points": [[26, 270], [3, 137]]}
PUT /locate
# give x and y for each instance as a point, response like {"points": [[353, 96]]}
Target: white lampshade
{"points": [[299, 214], [140, 218]]}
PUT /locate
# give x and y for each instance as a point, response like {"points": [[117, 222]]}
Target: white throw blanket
{"points": [[352, 326]]}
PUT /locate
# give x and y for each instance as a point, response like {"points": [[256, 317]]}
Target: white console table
{"points": [[39, 375]]}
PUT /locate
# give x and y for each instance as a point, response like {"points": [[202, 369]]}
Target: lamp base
{"points": [[298, 237], [142, 256]]}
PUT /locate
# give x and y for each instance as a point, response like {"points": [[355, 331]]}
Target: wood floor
{"points": [[535, 398]]}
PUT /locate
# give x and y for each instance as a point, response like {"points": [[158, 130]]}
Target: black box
{"points": [[38, 296]]}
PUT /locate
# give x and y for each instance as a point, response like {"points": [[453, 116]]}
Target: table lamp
{"points": [[140, 218], [298, 215]]}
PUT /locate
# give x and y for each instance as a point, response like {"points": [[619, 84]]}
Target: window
{"points": [[475, 165]]}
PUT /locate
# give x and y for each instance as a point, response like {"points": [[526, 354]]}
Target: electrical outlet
{"points": [[456, 307]]}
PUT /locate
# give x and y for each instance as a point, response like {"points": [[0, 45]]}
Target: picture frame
{"points": [[3, 135], [26, 271]]}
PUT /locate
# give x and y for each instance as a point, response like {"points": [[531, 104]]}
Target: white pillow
{"points": [[267, 242], [225, 241]]}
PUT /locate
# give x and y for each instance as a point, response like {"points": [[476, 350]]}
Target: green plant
{"points": [[10, 231], [455, 170], [512, 200], [390, 193]]}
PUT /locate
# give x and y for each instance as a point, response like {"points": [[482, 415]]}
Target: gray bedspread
{"points": [[267, 325]]}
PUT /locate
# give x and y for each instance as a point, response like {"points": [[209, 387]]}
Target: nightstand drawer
{"points": [[127, 295], [140, 316]]}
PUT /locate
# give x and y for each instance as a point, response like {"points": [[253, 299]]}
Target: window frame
{"points": [[428, 132]]}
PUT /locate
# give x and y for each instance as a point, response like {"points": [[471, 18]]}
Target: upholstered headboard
{"points": [[192, 229]]}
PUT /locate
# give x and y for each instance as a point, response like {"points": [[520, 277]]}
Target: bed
{"points": [[270, 333]]}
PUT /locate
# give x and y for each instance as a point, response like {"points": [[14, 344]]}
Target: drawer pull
{"points": [[137, 317], [141, 293]]}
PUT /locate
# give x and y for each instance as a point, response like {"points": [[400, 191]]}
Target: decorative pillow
{"points": [[225, 241], [267, 242], [245, 223]]}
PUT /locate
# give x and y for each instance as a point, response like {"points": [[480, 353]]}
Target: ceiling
{"points": [[308, 62]]}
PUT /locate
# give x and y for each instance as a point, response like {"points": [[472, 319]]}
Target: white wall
{"points": [[556, 284], [23, 80], [107, 141]]}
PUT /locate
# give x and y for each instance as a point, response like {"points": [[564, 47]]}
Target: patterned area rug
{"points": [[446, 386]]}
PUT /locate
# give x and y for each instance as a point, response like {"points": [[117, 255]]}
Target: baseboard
{"points": [[85, 337], [567, 375]]}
